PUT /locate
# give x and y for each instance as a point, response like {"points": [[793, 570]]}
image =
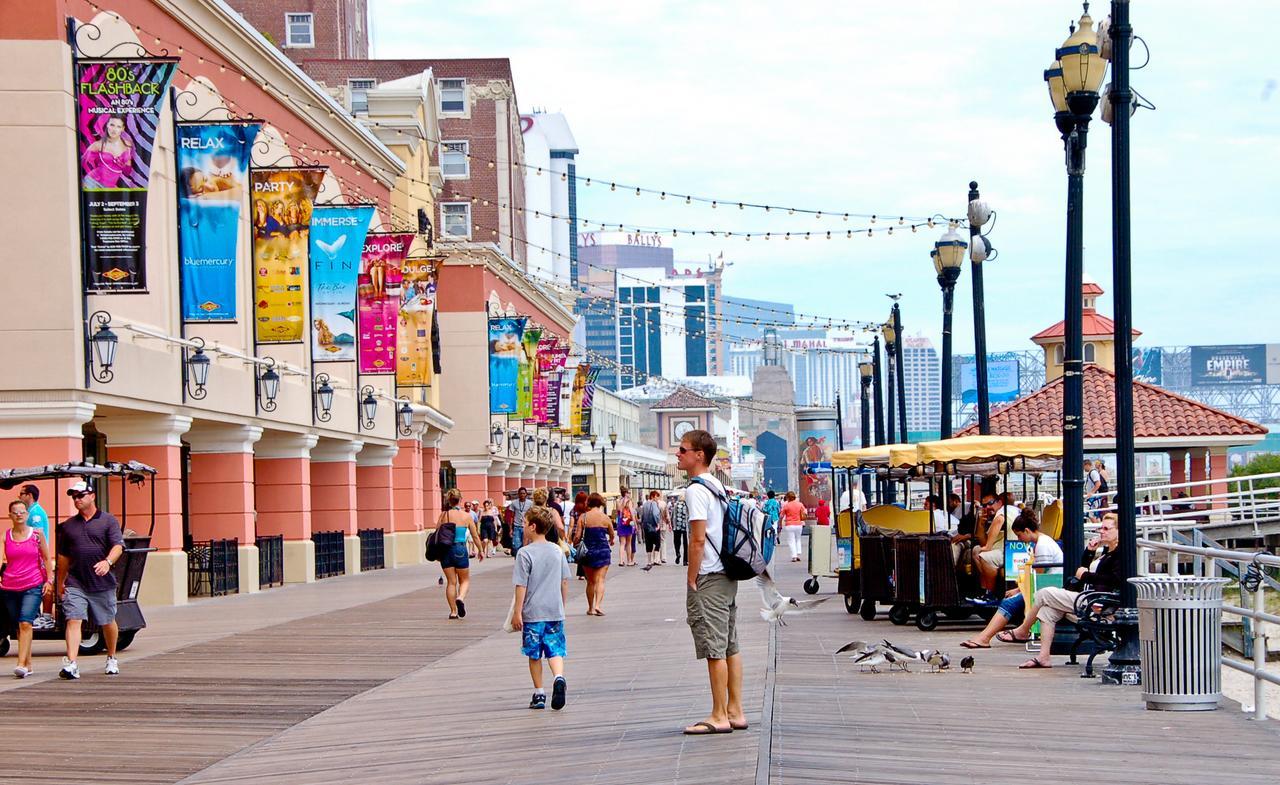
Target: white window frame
{"points": [[440, 88], [1059, 354], [466, 158], [445, 234], [288, 29], [352, 89]]}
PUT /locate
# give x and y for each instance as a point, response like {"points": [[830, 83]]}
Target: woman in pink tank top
{"points": [[26, 575]]}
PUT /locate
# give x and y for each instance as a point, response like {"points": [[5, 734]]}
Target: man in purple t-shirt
{"points": [[89, 545]]}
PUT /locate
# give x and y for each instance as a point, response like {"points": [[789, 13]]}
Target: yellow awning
{"points": [[878, 456], [989, 448]]}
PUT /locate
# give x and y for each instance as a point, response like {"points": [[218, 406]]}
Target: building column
{"points": [[406, 502], [39, 433], [220, 492], [513, 476], [373, 494], [495, 480], [1218, 470], [542, 478], [282, 468], [432, 503], [1199, 472], [333, 495], [1177, 468], [156, 440]]}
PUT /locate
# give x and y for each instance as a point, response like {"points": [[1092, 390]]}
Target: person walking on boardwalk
{"points": [[455, 562], [26, 577], [541, 581], [626, 529], [679, 528], [518, 509], [594, 532], [793, 525], [711, 599], [489, 527], [651, 528], [89, 544]]}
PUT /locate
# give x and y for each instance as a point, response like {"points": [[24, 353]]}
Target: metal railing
{"points": [[372, 550], [270, 560], [1249, 567], [213, 568], [1244, 501], [331, 553]]}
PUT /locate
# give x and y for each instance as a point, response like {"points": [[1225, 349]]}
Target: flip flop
{"points": [[1008, 637], [705, 728], [738, 726], [1031, 665], [973, 645]]}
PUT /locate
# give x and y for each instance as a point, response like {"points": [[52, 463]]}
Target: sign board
{"points": [[1273, 363], [643, 240], [1241, 364], [1148, 366], [1002, 381], [742, 470]]}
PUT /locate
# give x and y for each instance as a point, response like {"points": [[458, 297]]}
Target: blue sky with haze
{"points": [[892, 108]]}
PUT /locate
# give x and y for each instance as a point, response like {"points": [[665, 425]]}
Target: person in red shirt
{"points": [[793, 525], [822, 513]]}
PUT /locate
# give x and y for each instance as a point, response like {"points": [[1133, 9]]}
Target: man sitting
{"points": [[1044, 551]]}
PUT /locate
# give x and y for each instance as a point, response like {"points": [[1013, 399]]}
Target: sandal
{"points": [[705, 728], [737, 725], [1008, 637], [974, 645], [1031, 665]]}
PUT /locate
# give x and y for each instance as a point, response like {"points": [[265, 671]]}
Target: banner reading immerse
{"points": [[213, 160], [378, 300], [505, 338], [414, 358], [281, 224], [338, 233], [118, 105]]}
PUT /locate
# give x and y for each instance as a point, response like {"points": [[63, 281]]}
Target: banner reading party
{"points": [[118, 105], [528, 367], [213, 162], [378, 300], [281, 225], [338, 233], [506, 335], [414, 352]]}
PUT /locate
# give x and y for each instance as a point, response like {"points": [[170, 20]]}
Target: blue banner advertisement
{"points": [[213, 161], [1148, 366], [338, 234], [1002, 381], [506, 335], [1240, 364]]}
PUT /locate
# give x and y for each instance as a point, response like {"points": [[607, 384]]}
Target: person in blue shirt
{"points": [[37, 518], [772, 508]]}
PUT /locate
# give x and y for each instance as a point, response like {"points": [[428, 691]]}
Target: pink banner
{"points": [[378, 300]]}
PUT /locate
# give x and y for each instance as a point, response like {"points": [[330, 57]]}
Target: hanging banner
{"points": [[118, 104], [551, 359], [337, 239], [415, 357], [541, 371], [588, 398], [575, 399], [505, 339], [281, 225], [378, 300], [528, 368], [213, 165]]}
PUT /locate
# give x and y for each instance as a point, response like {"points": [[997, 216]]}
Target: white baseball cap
{"points": [[83, 486]]}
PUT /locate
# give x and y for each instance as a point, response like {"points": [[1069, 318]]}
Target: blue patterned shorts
{"points": [[543, 639]]}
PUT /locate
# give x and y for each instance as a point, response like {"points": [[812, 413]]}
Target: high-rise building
{"points": [[551, 203], [922, 374], [662, 322]]}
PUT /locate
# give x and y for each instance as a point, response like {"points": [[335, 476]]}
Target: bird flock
{"points": [[870, 656]]}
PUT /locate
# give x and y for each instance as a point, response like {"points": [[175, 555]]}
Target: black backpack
{"points": [[441, 540]]}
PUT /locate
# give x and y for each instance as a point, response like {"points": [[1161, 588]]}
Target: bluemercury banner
{"points": [[414, 358], [506, 334], [213, 164], [528, 367], [378, 300], [118, 104], [281, 224], [338, 233]]}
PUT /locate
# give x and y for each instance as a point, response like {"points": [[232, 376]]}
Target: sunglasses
{"points": [[682, 450], [80, 495]]}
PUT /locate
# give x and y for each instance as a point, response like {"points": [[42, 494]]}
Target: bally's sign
{"points": [[590, 239]]}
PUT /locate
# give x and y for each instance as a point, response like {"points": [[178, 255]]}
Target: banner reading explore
{"points": [[281, 224], [118, 105], [378, 300], [338, 234], [213, 160]]}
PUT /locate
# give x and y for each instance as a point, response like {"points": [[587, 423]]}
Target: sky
{"points": [[891, 109]]}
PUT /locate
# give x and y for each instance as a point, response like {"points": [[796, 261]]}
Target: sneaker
{"points": [[69, 669], [21, 672], [44, 621], [113, 667], [557, 693], [539, 701], [462, 609]]}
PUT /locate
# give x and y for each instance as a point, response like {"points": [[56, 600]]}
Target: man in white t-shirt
{"points": [[941, 521], [859, 498], [711, 598]]}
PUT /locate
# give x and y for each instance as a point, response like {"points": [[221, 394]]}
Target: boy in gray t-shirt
{"points": [[541, 581]]}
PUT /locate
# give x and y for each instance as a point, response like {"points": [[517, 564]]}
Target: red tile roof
{"points": [[1094, 324], [1157, 413]]}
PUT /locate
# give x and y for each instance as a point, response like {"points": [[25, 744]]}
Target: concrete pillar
{"points": [[1218, 470], [1177, 467], [473, 479], [495, 480], [1199, 471], [406, 502], [220, 491], [282, 468], [432, 493], [333, 495], [513, 481], [374, 495], [39, 433], [154, 439]]}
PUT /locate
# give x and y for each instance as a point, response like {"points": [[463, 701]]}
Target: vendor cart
{"points": [[128, 570]]}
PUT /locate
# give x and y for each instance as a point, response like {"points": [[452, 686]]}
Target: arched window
{"points": [[1059, 354], [1089, 353]]}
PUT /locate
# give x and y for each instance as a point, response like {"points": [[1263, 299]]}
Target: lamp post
{"points": [[979, 251], [865, 373], [891, 355], [883, 492], [613, 442], [900, 372], [1073, 81], [948, 256]]}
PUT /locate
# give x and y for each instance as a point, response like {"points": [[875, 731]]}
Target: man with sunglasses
{"points": [[89, 544]]}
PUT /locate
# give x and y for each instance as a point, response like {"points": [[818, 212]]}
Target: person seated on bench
{"points": [[989, 557], [1044, 551], [940, 521], [1050, 604]]}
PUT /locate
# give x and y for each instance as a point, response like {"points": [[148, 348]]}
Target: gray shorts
{"points": [[713, 616], [78, 603]]}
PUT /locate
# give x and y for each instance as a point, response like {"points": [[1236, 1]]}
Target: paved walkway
{"points": [[362, 679]]}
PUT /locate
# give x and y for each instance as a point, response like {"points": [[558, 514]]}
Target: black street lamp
{"points": [[613, 442], [497, 436], [368, 408], [1074, 80], [405, 413], [900, 370], [891, 354], [866, 372], [884, 493], [196, 371], [948, 256], [103, 347], [979, 251], [268, 386]]}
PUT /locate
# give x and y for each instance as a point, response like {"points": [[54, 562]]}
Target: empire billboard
{"points": [[1241, 364]]}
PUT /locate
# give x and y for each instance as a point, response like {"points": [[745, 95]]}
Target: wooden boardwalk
{"points": [[363, 680]]}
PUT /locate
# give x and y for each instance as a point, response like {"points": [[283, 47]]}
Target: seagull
{"points": [[867, 655], [966, 665], [922, 656], [894, 297], [776, 605], [938, 661]]}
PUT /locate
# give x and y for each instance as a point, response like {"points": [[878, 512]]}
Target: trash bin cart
{"points": [[820, 556], [1180, 630]]}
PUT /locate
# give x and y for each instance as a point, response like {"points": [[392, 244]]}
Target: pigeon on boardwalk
{"points": [[776, 605], [966, 665], [938, 661]]}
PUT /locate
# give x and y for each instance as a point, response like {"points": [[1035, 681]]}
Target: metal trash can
{"points": [[1180, 632]]}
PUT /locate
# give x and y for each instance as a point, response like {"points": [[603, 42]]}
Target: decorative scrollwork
{"points": [[189, 98], [89, 32], [295, 162]]}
